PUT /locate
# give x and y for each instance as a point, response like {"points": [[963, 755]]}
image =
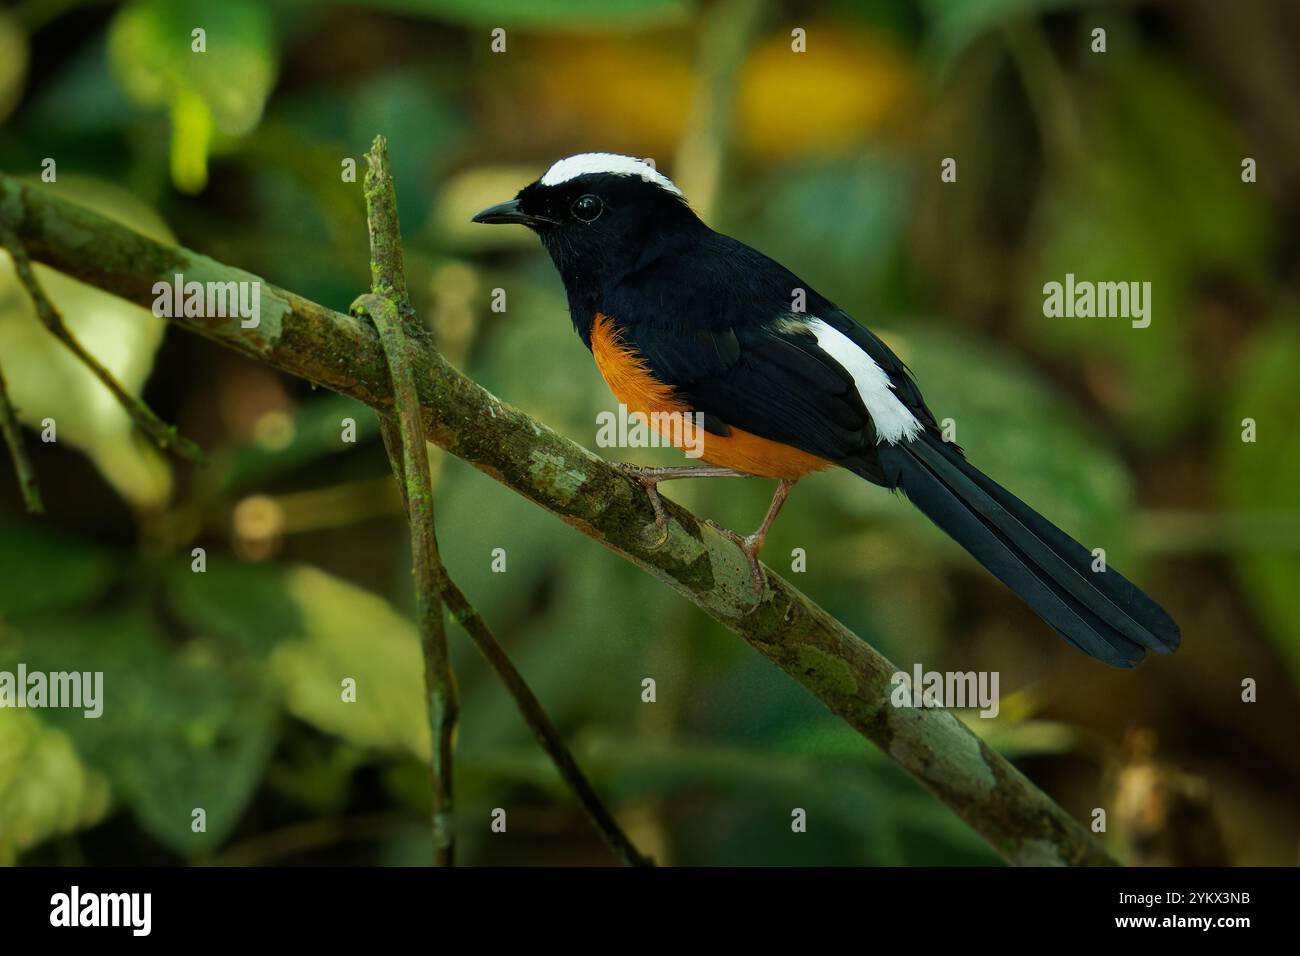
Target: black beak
{"points": [[505, 212]]}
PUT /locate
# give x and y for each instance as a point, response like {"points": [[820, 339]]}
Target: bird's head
{"points": [[599, 214]]}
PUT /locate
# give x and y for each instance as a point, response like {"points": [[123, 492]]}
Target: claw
{"points": [[749, 546], [649, 477], [651, 486], [661, 516]]}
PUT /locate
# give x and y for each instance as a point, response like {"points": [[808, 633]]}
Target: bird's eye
{"points": [[587, 208]]}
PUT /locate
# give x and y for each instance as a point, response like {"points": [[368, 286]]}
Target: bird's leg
{"points": [[649, 478], [752, 544]]}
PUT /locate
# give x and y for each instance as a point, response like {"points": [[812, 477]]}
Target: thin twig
{"points": [[411, 464], [159, 432], [547, 734], [399, 334], [18, 452], [389, 308], [387, 269], [530, 707]]}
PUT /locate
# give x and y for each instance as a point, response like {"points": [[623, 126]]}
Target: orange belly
{"points": [[627, 376]]}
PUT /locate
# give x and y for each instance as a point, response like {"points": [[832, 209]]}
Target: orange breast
{"points": [[628, 377]]}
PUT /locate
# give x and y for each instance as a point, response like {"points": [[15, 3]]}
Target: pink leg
{"points": [[649, 478], [752, 544]]}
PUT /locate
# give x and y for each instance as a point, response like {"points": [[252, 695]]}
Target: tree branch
{"points": [[339, 352]]}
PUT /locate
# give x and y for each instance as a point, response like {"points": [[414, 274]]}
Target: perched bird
{"points": [[681, 319]]}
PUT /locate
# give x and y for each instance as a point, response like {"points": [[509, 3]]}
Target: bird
{"points": [[685, 321]]}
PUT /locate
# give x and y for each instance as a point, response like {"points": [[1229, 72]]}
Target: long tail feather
{"points": [[1100, 612]]}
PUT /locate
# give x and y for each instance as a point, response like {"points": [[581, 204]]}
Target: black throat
{"points": [[592, 272]]}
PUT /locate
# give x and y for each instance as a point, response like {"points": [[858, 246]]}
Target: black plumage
{"points": [[716, 320]]}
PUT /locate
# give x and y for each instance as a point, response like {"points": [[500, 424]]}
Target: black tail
{"points": [[1101, 613]]}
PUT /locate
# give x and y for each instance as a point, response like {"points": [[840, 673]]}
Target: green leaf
{"points": [[249, 606], [179, 729], [351, 633], [47, 382], [45, 789], [192, 128], [46, 571], [314, 631], [1261, 478], [224, 86]]}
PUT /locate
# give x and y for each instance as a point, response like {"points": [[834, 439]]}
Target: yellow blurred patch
{"points": [[849, 84], [45, 789], [633, 94], [626, 94]]}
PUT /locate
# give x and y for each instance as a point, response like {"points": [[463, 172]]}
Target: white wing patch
{"points": [[583, 163], [892, 418]]}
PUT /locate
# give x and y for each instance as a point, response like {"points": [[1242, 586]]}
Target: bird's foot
{"points": [[750, 545], [649, 476], [650, 482]]}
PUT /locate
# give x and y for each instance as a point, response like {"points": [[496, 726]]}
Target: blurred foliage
{"points": [[13, 63], [953, 26], [1136, 204], [204, 90], [225, 689], [1264, 476], [45, 789], [545, 14], [46, 381]]}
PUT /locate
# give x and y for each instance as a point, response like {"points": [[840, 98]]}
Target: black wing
{"points": [[769, 379], [718, 327]]}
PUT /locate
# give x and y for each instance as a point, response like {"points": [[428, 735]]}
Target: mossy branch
{"points": [[342, 353], [404, 439], [389, 308]]}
